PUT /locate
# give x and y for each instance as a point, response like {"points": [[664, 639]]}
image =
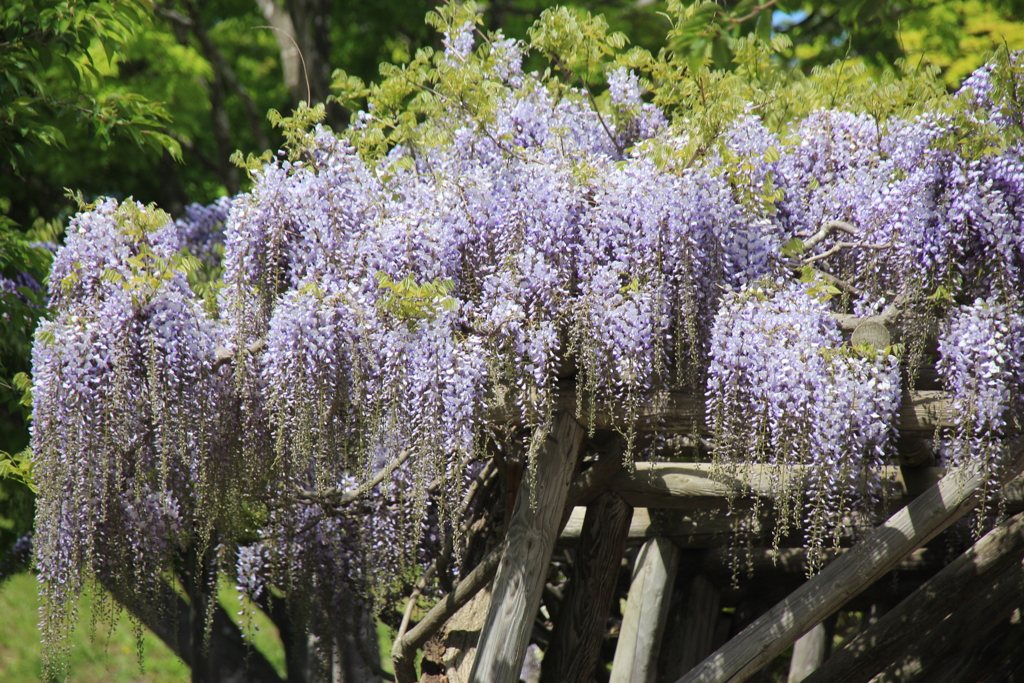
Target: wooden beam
{"points": [[992, 661], [696, 485], [677, 411], [523, 569], [689, 529], [717, 563], [636, 654], [872, 650], [963, 629], [908, 529], [699, 485], [690, 634], [580, 624], [811, 650]]}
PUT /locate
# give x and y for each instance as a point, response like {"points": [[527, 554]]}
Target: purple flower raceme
{"points": [[982, 366], [816, 405]]}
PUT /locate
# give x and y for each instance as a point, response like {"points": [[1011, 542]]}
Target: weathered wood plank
{"points": [[872, 650], [689, 529], [990, 662], [676, 411], [698, 485], [963, 629], [636, 654], [911, 527], [527, 552], [690, 634], [579, 627], [809, 652]]}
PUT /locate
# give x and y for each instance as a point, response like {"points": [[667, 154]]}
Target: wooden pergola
{"points": [[678, 518]]}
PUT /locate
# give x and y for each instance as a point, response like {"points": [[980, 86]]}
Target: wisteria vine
{"points": [[376, 311]]}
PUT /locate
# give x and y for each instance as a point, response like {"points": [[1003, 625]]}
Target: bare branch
{"points": [[416, 592], [223, 356], [839, 246], [338, 497], [827, 229], [404, 649]]}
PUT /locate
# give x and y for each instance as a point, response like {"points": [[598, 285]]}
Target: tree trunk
{"points": [[580, 624], [636, 655], [280, 22], [201, 590], [524, 565], [311, 20], [166, 614]]}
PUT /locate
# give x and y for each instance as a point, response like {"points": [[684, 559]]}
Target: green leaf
{"points": [[793, 248], [763, 29]]}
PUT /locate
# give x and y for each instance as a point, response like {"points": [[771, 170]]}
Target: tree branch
{"points": [[404, 649]]}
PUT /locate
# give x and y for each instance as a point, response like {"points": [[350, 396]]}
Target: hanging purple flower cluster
{"points": [[785, 394], [201, 230], [130, 420], [982, 365]]}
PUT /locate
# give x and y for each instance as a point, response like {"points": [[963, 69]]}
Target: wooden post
{"points": [[690, 636], [636, 655], [928, 515], [524, 565], [965, 627], [811, 650], [872, 650], [579, 627]]}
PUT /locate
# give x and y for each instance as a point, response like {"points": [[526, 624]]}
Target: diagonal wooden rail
{"points": [[872, 650], [926, 516]]}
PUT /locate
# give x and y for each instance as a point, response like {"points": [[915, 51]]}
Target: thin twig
{"points": [[338, 497], [839, 246], [753, 12], [305, 72], [839, 283]]}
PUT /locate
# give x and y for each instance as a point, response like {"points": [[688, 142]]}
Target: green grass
{"points": [[103, 655]]}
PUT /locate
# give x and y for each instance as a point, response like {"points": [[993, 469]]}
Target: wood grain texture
{"points": [[689, 529], [872, 650], [966, 628], [690, 633], [519, 582], [911, 527], [698, 485], [809, 651], [579, 628], [643, 624], [677, 411]]}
